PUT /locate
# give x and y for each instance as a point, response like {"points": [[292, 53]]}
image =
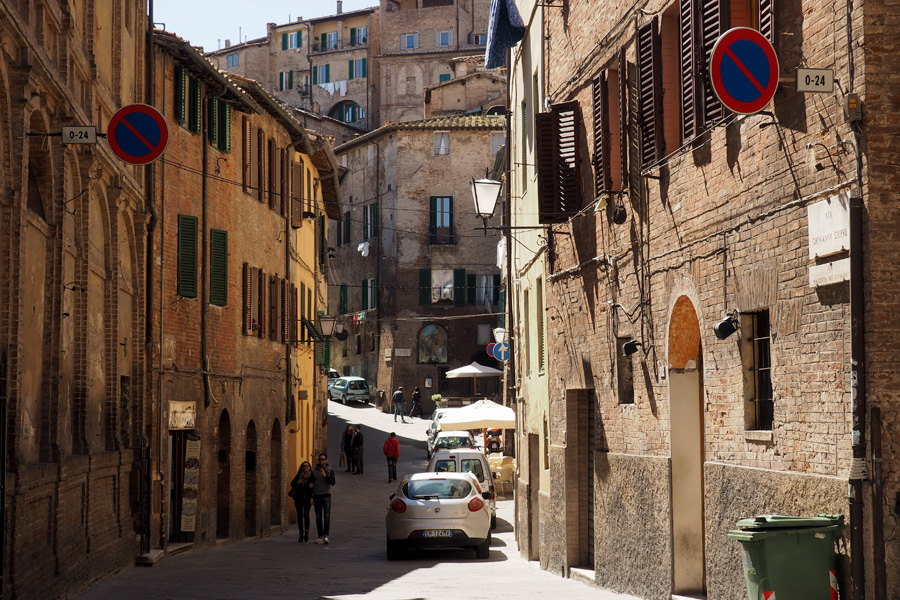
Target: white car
{"points": [[467, 460], [434, 427], [438, 510], [448, 440]]}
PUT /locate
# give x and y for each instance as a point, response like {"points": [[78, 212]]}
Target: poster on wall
{"points": [[191, 483]]}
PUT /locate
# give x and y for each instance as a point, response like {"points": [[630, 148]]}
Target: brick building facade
{"points": [[422, 299], [72, 262], [636, 459]]}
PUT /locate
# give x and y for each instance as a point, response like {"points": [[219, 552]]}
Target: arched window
{"points": [[348, 112], [433, 345]]}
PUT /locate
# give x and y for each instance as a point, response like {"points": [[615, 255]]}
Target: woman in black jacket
{"points": [[301, 492]]}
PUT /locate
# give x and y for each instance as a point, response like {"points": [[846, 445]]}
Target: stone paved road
{"points": [[353, 566]]}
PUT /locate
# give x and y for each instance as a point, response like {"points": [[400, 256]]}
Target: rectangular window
{"points": [[702, 22], [441, 143], [218, 267], [485, 292], [497, 142], [479, 39], [441, 221], [362, 35], [443, 39], [359, 69], [295, 40], [347, 227], [756, 352], [444, 77], [233, 60], [409, 41], [343, 310], [624, 373], [321, 74], [441, 285], [649, 92], [219, 125], [370, 220], [187, 256], [370, 294]]}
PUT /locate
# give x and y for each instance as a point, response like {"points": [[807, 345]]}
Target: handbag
{"points": [[291, 491], [341, 463]]}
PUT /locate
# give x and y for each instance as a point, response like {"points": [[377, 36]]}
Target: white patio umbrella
{"points": [[473, 371], [484, 414]]}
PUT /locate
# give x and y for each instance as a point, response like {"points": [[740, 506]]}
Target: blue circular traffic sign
{"points": [[500, 351], [137, 134], [743, 69]]}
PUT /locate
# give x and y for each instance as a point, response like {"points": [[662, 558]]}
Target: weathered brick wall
{"points": [[481, 90]]}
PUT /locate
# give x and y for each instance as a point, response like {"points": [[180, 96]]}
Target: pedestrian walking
{"points": [[417, 399], [358, 447], [302, 494], [399, 405], [322, 480], [392, 452], [347, 449]]}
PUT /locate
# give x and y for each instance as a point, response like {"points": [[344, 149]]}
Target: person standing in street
{"points": [[358, 449], [322, 479], [399, 405], [392, 453], [347, 448], [417, 399], [301, 492]]}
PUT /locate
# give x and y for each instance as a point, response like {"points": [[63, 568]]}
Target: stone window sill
{"points": [[760, 436]]}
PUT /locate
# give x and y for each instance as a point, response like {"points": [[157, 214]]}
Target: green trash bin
{"points": [[789, 558]]}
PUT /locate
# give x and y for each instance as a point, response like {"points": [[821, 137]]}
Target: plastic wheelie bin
{"points": [[789, 558]]}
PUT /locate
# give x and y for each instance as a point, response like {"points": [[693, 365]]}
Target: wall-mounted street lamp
{"points": [[726, 326], [630, 347], [485, 192]]}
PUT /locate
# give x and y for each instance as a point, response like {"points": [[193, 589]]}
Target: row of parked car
{"points": [[451, 504]]}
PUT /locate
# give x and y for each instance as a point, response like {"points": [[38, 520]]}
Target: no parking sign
{"points": [[137, 134], [743, 69]]}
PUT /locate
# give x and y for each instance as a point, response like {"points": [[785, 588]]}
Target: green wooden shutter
{"points": [[225, 125], [424, 286], [324, 42], [365, 294], [299, 39], [364, 72], [213, 125], [434, 211], [284, 41], [180, 94], [194, 109], [375, 291], [315, 75], [350, 76], [471, 283], [353, 36], [218, 267], [291, 79], [365, 222], [327, 73], [449, 202], [281, 82], [347, 227], [187, 256], [497, 289], [343, 303], [459, 287]]}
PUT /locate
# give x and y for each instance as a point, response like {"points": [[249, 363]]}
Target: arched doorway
{"points": [[250, 482], [275, 487], [687, 448], [223, 485]]}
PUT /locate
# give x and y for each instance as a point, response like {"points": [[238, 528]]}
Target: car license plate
{"points": [[437, 533]]}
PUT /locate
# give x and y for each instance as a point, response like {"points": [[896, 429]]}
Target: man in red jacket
{"points": [[392, 452]]}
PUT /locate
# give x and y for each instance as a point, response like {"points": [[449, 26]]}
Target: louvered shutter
{"points": [[689, 114], [247, 157], [347, 227], [253, 167], [294, 318], [218, 267], [374, 219], [315, 75], [291, 79], [649, 90], [343, 300], [296, 193], [324, 46], [273, 307], [212, 127], [424, 286], [285, 311], [623, 120], [559, 168], [767, 25], [600, 97], [327, 73], [247, 286], [712, 26], [194, 110], [350, 70], [471, 285], [366, 222], [285, 186], [284, 41], [459, 287], [303, 332], [323, 245], [263, 304], [364, 69], [261, 165], [353, 36], [180, 94], [187, 256], [365, 294], [225, 125], [375, 294]]}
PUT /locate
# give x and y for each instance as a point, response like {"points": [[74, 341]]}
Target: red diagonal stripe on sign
{"points": [[745, 70], [769, 595], [137, 133]]}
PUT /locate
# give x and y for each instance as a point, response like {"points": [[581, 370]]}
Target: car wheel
{"points": [[344, 400], [394, 550], [484, 550], [328, 393], [493, 521]]}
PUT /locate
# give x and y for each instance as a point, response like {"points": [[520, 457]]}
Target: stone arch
{"points": [[250, 482], [39, 176], [128, 329], [223, 481], [276, 486]]}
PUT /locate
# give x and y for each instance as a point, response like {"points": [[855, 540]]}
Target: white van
{"points": [[471, 461]]}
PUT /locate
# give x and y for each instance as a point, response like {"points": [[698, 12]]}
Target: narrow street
{"points": [[354, 564]]}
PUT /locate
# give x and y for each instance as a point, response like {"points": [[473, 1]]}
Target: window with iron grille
{"points": [[757, 360]]}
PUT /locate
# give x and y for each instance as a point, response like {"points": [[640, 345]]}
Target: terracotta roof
{"points": [[446, 122]]}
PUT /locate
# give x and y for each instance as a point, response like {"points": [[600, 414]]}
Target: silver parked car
{"points": [[438, 510], [349, 388]]}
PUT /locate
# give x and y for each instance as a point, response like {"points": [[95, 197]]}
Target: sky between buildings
{"points": [[209, 24]]}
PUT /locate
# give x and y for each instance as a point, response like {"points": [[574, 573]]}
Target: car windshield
{"points": [[456, 441], [438, 489], [358, 385]]}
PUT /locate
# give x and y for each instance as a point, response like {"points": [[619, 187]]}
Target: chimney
{"points": [[228, 43], [340, 5]]}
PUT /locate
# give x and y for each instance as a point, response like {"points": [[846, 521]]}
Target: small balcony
{"points": [[317, 47], [442, 236]]}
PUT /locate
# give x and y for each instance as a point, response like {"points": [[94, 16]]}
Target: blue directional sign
{"points": [[500, 351], [743, 69], [137, 134]]}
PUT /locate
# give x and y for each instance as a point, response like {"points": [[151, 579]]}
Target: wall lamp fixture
{"points": [[727, 326], [630, 347]]}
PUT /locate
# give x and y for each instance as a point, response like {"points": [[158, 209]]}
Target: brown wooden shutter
{"points": [[649, 92], [767, 25], [248, 155], [559, 167], [711, 27], [285, 189], [600, 105], [285, 311], [253, 134], [296, 193], [623, 119], [690, 124], [248, 296], [273, 175], [261, 165], [294, 321], [263, 305], [273, 307]]}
